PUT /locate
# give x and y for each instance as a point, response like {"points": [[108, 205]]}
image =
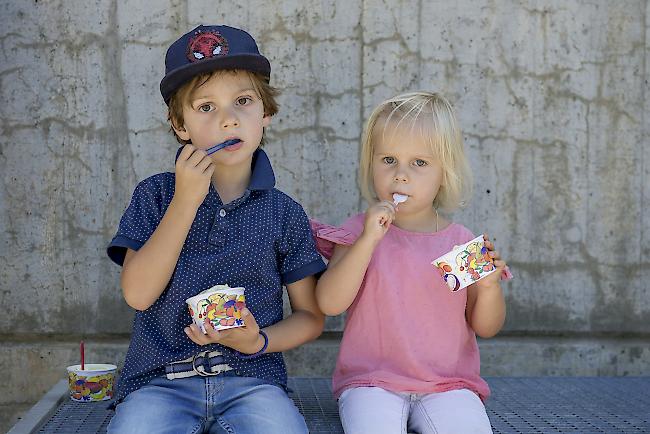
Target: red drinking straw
{"points": [[81, 350]]}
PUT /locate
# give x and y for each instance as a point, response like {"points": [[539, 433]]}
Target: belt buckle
{"points": [[206, 365], [199, 373]]}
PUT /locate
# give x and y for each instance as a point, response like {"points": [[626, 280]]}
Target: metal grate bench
{"points": [[518, 405]]}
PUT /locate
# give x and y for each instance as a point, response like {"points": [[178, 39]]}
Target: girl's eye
{"points": [[420, 163], [243, 100], [205, 108], [388, 160]]}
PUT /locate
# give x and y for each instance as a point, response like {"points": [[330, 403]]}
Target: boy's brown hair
{"points": [[264, 90]]}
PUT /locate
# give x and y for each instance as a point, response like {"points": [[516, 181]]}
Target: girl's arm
{"points": [[303, 325], [146, 273], [486, 307], [338, 286]]}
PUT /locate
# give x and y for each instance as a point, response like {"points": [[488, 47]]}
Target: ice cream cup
{"points": [[93, 383], [221, 305], [465, 264]]}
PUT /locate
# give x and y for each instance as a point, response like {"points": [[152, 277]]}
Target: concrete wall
{"points": [[552, 96]]}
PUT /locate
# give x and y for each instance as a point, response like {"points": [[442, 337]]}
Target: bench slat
{"points": [[517, 405]]}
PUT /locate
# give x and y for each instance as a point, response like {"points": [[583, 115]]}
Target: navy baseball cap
{"points": [[206, 49]]}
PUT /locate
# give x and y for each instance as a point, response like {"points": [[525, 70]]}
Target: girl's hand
{"points": [[194, 170], [378, 219], [246, 339], [493, 279]]}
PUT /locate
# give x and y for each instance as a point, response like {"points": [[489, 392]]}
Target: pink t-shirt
{"points": [[406, 331]]}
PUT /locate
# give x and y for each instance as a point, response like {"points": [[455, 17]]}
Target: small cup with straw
{"points": [[90, 382]]}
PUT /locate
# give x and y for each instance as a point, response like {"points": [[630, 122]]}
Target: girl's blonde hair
{"points": [[438, 125]]}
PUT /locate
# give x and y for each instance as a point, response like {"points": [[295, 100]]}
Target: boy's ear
{"points": [[181, 132], [266, 120]]}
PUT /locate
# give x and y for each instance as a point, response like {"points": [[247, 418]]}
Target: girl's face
{"points": [[404, 163]]}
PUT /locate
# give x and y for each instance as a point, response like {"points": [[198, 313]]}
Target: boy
{"points": [[217, 220]]}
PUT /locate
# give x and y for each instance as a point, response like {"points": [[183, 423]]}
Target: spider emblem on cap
{"points": [[204, 45]]}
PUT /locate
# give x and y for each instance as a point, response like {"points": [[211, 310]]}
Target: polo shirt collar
{"points": [[262, 177]]}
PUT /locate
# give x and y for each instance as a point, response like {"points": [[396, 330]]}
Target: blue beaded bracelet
{"points": [[260, 352]]}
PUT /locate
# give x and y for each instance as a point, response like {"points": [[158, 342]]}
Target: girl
{"points": [[409, 357]]}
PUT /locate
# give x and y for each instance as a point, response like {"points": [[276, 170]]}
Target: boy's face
{"points": [[225, 107]]}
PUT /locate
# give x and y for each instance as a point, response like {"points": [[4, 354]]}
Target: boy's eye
{"points": [[243, 100], [205, 108], [420, 163], [388, 160]]}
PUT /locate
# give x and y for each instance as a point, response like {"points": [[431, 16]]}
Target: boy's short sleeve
{"points": [[138, 222], [298, 255]]}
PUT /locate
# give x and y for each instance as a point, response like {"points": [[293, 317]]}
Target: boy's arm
{"points": [[305, 322], [303, 325], [146, 272]]}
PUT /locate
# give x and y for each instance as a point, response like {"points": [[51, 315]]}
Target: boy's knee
{"points": [[256, 419], [251, 413], [135, 416]]}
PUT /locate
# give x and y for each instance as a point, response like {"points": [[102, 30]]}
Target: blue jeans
{"points": [[224, 404]]}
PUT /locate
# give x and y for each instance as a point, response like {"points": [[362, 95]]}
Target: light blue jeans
{"points": [[224, 404], [374, 410]]}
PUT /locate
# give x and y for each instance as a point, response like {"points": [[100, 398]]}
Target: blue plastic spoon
{"points": [[215, 148]]}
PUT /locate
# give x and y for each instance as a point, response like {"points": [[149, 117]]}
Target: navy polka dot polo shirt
{"points": [[260, 241]]}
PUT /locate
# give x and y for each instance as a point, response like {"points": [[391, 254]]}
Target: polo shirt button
{"points": [[222, 213]]}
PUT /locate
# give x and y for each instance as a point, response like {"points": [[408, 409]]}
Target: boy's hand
{"points": [[246, 339], [194, 170], [492, 281], [378, 219]]}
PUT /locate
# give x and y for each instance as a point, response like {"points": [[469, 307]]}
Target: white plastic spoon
{"points": [[399, 198]]}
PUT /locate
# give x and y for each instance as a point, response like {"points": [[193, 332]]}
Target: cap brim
{"points": [[249, 62]]}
